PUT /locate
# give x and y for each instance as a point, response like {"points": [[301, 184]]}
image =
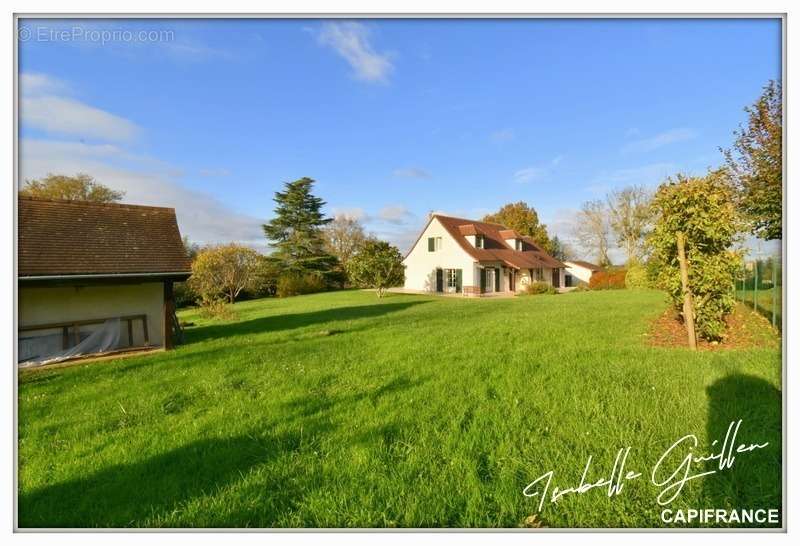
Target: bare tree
{"points": [[592, 230], [630, 218], [344, 236]]}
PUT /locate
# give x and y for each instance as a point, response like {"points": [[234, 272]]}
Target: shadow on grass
{"points": [[291, 321], [754, 481], [154, 489]]}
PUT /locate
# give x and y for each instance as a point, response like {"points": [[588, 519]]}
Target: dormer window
{"points": [[479, 241], [518, 244]]}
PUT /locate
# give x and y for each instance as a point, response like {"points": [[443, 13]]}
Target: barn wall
{"points": [[43, 305]]}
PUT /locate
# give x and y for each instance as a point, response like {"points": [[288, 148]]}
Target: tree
{"points": [[561, 250], [757, 168], [223, 272], [296, 231], [377, 265], [191, 249], [591, 229], [629, 219], [523, 219], [702, 212], [80, 187], [344, 236]]}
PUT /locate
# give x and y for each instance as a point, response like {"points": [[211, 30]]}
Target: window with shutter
{"points": [[431, 244], [458, 280]]}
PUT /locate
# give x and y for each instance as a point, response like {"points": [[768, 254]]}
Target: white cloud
{"points": [[529, 174], [503, 135], [34, 84], [213, 172], [351, 41], [646, 175], [202, 217], [66, 116], [411, 172], [394, 214], [353, 213], [660, 140]]}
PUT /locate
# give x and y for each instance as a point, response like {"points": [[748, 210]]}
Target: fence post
{"points": [[688, 308], [774, 291], [755, 286]]}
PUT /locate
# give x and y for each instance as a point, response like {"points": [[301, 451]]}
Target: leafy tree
{"points": [[703, 209], [222, 272], [757, 167], [523, 219], [344, 236], [80, 187], [629, 219], [377, 265], [296, 231], [592, 230]]}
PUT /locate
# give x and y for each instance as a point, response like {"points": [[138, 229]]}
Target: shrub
{"points": [[216, 308], [184, 295], [294, 284], [608, 280], [703, 209], [536, 288], [582, 287], [636, 276]]}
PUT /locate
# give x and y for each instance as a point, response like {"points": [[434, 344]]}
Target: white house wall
{"points": [[579, 272], [54, 304], [421, 264]]}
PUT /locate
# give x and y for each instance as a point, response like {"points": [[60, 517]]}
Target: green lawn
{"points": [[763, 302], [342, 410]]}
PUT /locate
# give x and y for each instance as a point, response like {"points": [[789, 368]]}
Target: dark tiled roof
{"points": [[495, 248], [82, 238], [587, 265]]}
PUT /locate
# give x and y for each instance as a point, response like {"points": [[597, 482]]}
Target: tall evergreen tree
{"points": [[296, 231]]}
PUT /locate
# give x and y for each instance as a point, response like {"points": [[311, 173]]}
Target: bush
{"points": [[536, 288], [636, 277], [216, 308], [294, 284], [608, 280], [582, 287], [703, 210], [184, 295]]}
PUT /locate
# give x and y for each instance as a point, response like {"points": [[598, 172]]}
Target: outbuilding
{"points": [[95, 278]]}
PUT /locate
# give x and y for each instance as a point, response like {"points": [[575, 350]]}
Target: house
{"points": [[455, 255], [95, 277], [579, 271]]}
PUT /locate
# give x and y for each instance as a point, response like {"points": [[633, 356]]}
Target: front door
{"points": [[556, 277], [511, 281]]}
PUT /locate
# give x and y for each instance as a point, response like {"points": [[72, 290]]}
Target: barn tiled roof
{"points": [[62, 238], [495, 247]]}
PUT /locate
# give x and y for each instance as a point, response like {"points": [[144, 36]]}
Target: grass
{"points": [[342, 410], [763, 302]]}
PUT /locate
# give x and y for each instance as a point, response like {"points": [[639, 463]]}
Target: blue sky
{"points": [[393, 118]]}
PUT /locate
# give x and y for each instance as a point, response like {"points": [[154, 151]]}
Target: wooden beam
{"points": [[169, 310]]}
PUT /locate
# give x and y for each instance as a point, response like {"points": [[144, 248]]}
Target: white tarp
{"points": [[105, 338]]}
